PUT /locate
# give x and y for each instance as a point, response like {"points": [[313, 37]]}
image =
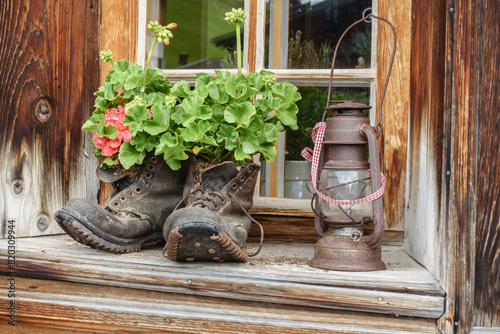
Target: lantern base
{"points": [[334, 252]]}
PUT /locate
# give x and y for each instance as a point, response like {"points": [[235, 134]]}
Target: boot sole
{"points": [[86, 236], [202, 242]]}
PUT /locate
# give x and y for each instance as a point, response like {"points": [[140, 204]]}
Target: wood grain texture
{"points": [[119, 26], [426, 140], [487, 249], [394, 137], [100, 309], [279, 274], [48, 71]]}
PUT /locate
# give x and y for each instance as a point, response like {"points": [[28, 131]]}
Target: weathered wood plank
{"points": [[100, 309], [487, 249], [394, 137], [279, 275], [119, 27], [426, 140], [47, 48]]}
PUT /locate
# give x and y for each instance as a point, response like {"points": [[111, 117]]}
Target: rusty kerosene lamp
{"points": [[348, 184]]}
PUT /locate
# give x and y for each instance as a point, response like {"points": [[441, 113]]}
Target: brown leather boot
{"points": [[134, 213], [214, 224]]}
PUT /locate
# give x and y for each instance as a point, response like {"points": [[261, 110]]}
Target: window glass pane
{"points": [[293, 174], [202, 40], [302, 34]]}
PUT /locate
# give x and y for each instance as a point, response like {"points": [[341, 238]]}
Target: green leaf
{"points": [[132, 82], [287, 92], [177, 114], [288, 115], [195, 130], [268, 151], [150, 75], [129, 156], [255, 80], [240, 155], [217, 92], [173, 150], [181, 89], [270, 133], [109, 162], [135, 117], [248, 140], [143, 142], [160, 121], [168, 140], [200, 86], [194, 110], [95, 124], [239, 114], [228, 135], [237, 87], [126, 66], [155, 98]]}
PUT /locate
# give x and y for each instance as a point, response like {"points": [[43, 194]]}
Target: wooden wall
{"points": [[119, 34], [394, 147], [454, 211], [487, 233], [46, 93], [425, 133]]}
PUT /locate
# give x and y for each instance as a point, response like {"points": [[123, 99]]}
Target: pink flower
{"points": [[108, 146], [115, 117], [111, 146]]}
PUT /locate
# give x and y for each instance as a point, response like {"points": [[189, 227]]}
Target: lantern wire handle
{"points": [[377, 125]]}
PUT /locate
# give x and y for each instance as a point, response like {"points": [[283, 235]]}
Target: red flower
{"points": [[108, 146], [111, 146]]}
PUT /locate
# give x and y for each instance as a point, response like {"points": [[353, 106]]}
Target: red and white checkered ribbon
{"points": [[317, 135]]}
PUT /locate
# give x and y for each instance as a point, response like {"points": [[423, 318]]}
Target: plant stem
{"points": [[150, 54], [238, 46]]}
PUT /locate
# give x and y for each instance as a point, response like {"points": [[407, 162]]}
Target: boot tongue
{"points": [[120, 181], [217, 177]]}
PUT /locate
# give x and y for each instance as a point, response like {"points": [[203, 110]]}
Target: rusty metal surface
{"points": [[334, 252]]}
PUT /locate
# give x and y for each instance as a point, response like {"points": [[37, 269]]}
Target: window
{"points": [[293, 38]]}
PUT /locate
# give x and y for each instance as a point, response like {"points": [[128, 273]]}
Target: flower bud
{"points": [[170, 100], [235, 16], [106, 56], [172, 26], [268, 80]]}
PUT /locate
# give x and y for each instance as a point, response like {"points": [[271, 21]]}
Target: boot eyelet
{"points": [[148, 175], [116, 204], [216, 206], [250, 170], [196, 178], [138, 190], [222, 200], [154, 160], [242, 178], [151, 168], [123, 198], [131, 194], [234, 185]]}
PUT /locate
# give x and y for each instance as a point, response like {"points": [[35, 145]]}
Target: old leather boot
{"points": [[214, 224], [134, 213]]}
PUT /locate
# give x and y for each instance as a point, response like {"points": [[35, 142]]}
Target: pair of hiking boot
{"points": [[201, 214]]}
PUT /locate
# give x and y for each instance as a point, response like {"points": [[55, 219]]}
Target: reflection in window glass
{"points": [[302, 34], [295, 183], [202, 39]]}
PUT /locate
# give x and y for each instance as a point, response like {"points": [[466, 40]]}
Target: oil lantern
{"points": [[348, 184]]}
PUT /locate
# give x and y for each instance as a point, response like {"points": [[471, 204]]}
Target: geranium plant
{"points": [[227, 117]]}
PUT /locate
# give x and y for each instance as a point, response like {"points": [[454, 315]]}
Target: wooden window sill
{"points": [[279, 278]]}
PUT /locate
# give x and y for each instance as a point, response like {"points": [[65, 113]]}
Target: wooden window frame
{"points": [[253, 60]]}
